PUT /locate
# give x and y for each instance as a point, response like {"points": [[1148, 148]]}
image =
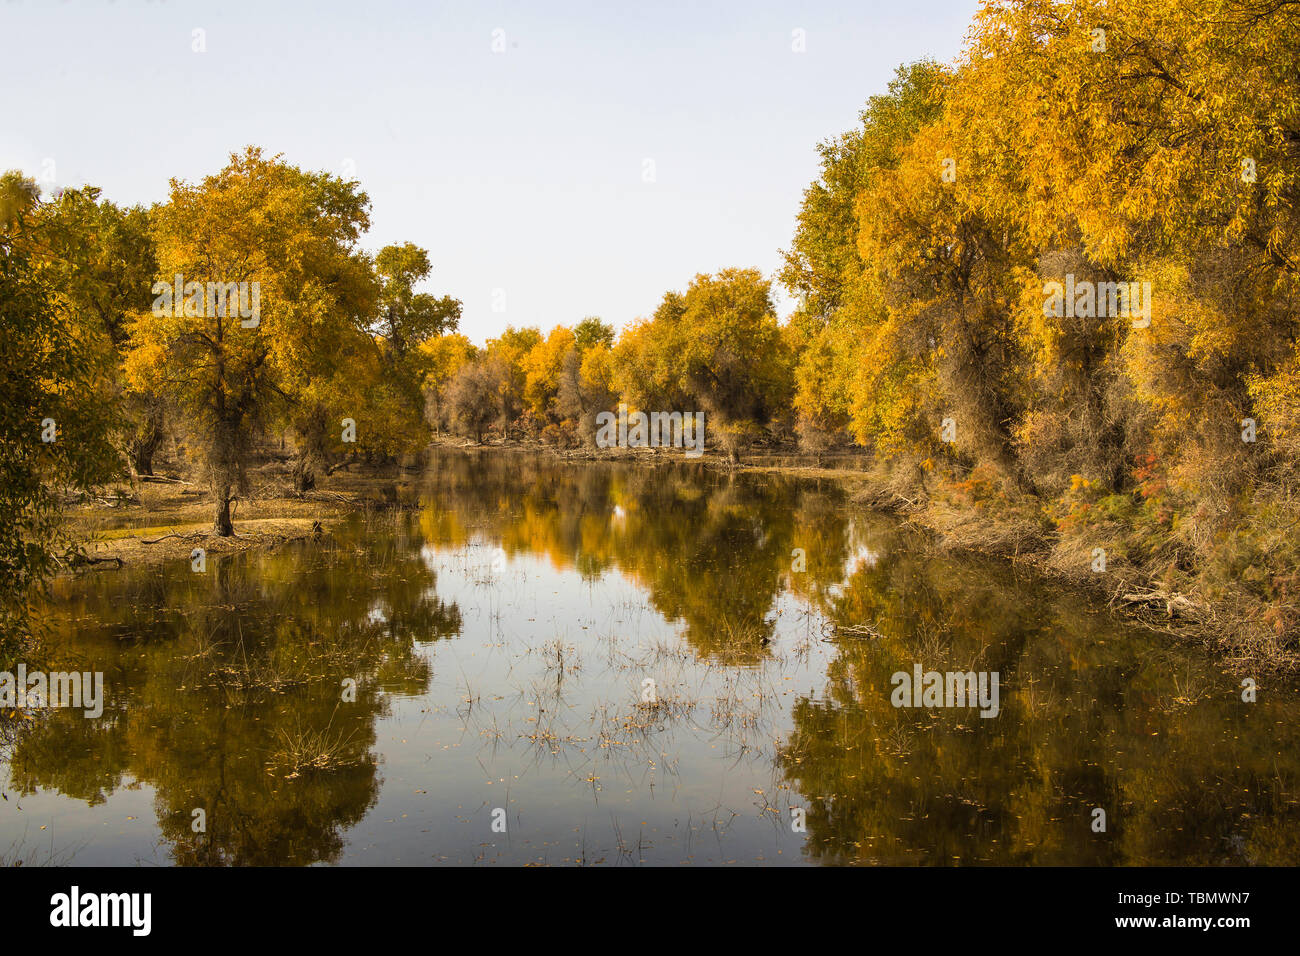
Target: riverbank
{"points": [[151, 521], [1102, 559], [1082, 540]]}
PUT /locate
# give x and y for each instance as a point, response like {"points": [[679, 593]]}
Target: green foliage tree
{"points": [[58, 416]]}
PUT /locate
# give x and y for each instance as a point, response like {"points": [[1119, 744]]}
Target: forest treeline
{"points": [[1080, 146]]}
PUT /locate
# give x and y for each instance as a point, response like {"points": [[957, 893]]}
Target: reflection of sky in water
{"points": [[862, 557]]}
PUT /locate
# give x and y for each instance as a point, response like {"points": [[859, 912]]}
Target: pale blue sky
{"points": [[520, 171]]}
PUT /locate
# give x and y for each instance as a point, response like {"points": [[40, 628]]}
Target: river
{"points": [[518, 660]]}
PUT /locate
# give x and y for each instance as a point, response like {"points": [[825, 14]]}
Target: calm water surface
{"points": [[501, 625]]}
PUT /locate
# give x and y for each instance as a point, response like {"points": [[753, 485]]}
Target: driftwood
{"points": [[75, 559], [192, 535], [318, 495], [1174, 604], [85, 497], [315, 534], [87, 559], [111, 502], [831, 630]]}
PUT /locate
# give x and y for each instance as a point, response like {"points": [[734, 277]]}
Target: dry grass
{"points": [[306, 751]]}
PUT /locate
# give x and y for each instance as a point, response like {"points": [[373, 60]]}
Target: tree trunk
{"points": [[312, 455], [222, 524], [146, 443], [144, 456], [304, 476]]}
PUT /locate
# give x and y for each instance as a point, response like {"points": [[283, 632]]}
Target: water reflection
{"points": [[226, 693], [770, 611]]}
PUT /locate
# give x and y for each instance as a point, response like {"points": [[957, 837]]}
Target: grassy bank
{"points": [[146, 521]]}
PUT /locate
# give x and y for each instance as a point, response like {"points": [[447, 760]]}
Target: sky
{"points": [[556, 159]]}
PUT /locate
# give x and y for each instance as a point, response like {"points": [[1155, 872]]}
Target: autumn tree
{"points": [[442, 357], [273, 301], [587, 387], [511, 349], [543, 365], [591, 332], [377, 384], [842, 305], [716, 347], [406, 318], [477, 396]]}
